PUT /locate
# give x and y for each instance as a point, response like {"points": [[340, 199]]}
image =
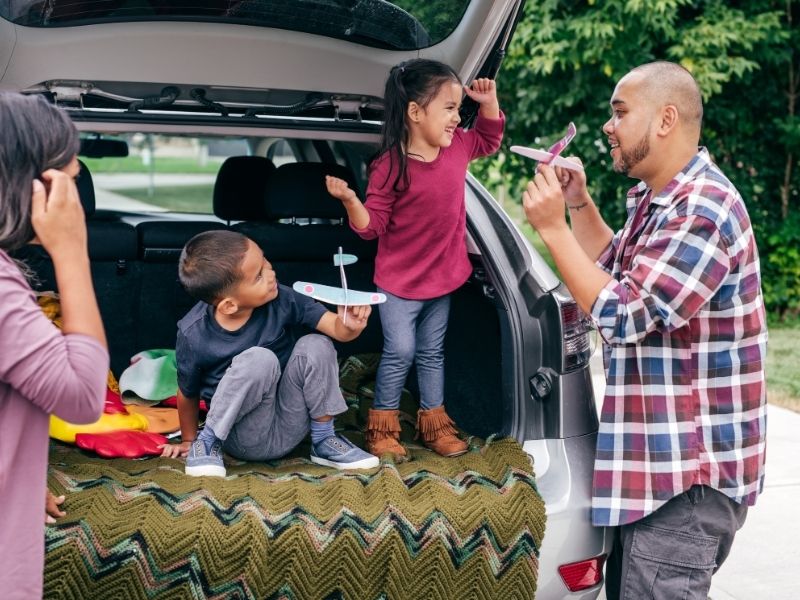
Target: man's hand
{"points": [[543, 201], [573, 184], [357, 317], [51, 507], [175, 450], [339, 189]]}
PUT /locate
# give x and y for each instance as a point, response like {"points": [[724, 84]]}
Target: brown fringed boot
{"points": [[438, 432], [383, 433]]}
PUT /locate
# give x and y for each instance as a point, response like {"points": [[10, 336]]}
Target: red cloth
{"points": [[121, 444]]}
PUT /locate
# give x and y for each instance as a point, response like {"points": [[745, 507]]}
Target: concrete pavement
{"points": [[765, 556]]}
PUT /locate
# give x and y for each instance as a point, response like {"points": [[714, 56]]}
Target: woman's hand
{"points": [[51, 507], [57, 215]]}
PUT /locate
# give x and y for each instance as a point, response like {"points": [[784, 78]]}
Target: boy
{"points": [[236, 348]]}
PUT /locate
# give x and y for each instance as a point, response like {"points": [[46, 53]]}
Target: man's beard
{"points": [[630, 158]]}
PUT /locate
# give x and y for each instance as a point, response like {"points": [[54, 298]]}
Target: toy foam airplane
{"points": [[551, 155], [339, 296]]}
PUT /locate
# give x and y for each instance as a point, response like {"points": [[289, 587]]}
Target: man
{"points": [[676, 297]]}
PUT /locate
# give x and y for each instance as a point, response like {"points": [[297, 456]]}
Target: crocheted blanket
{"points": [[429, 527]]}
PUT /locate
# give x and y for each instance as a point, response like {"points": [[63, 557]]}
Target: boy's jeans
{"points": [[412, 330], [261, 413]]}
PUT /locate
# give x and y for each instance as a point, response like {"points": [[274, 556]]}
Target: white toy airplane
{"points": [[551, 155], [339, 296]]}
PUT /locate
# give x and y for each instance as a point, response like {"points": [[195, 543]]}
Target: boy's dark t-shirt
{"points": [[204, 350]]}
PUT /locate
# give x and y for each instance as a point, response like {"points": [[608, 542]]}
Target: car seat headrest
{"points": [[298, 190], [239, 190], [85, 187]]}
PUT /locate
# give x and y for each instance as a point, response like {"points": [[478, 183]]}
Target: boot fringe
{"points": [[434, 423]]}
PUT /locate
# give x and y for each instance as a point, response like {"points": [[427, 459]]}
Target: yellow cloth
{"points": [[66, 432]]}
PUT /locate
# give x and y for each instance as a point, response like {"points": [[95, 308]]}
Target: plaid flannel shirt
{"points": [[684, 332]]}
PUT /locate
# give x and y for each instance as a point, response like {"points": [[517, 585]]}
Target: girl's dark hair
{"points": [[34, 136], [417, 80], [211, 264]]}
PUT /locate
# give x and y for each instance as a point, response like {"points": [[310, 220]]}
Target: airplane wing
{"points": [[544, 156], [336, 296]]}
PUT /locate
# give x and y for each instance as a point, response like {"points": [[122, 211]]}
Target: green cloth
{"points": [[429, 527]]}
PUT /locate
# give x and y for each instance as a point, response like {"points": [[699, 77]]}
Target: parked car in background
{"points": [[220, 114]]}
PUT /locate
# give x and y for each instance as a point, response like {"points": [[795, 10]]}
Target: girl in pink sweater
{"points": [[415, 207], [42, 370]]}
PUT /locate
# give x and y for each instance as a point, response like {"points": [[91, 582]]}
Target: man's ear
{"points": [[227, 306], [413, 111], [669, 119]]}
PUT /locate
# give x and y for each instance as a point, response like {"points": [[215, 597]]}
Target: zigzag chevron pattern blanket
{"points": [[430, 527]]}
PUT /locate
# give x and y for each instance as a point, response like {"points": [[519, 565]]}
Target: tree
{"points": [[566, 57]]}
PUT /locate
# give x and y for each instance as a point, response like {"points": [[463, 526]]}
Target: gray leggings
{"points": [[261, 413]]}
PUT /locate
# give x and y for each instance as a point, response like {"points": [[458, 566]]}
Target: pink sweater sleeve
{"points": [[485, 137], [61, 374], [380, 199]]}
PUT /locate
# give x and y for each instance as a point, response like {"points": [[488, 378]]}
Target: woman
{"points": [[43, 370]]}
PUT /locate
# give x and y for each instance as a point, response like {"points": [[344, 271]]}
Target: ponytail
{"points": [[416, 80]]}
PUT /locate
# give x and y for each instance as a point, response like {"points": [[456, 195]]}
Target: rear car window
{"points": [[162, 173], [399, 25]]}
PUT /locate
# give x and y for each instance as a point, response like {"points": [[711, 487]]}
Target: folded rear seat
{"points": [[300, 228]]}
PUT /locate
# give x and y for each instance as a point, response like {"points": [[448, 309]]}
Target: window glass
{"points": [[162, 173], [400, 25]]}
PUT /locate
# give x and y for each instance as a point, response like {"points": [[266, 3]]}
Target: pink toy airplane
{"points": [[551, 156]]}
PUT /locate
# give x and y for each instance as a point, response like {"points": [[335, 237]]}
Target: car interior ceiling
{"points": [[134, 268]]}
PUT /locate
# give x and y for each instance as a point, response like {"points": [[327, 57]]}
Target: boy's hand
{"points": [[357, 317], [51, 507], [175, 450], [484, 92], [338, 188]]}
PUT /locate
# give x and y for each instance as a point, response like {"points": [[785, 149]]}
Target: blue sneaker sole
{"points": [[366, 463]]}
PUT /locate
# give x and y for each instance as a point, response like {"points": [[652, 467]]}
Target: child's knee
{"points": [[316, 346], [257, 359]]}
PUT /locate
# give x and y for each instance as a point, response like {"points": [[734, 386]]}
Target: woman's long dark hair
{"points": [[417, 80], [34, 136]]}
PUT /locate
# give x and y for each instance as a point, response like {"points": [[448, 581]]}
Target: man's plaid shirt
{"points": [[685, 337]]}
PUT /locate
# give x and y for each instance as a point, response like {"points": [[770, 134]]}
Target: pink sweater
{"points": [[41, 372], [422, 236]]}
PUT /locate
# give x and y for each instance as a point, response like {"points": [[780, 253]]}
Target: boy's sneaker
{"points": [[340, 453], [200, 463]]}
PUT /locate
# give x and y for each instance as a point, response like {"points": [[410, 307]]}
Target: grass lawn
{"points": [[783, 366], [165, 164], [180, 198], [783, 349]]}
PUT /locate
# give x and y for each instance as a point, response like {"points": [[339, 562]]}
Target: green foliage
{"points": [[780, 268], [566, 57]]}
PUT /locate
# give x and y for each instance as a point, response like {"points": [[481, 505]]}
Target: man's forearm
{"points": [[589, 228], [584, 279]]}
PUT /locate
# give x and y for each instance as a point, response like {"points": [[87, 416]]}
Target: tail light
{"points": [[577, 346], [584, 574]]}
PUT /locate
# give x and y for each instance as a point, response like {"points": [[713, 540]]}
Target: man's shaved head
{"points": [[669, 83]]}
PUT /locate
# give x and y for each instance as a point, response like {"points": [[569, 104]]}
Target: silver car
{"points": [[300, 82]]}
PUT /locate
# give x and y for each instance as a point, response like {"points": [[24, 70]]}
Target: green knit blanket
{"points": [[429, 527]]}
